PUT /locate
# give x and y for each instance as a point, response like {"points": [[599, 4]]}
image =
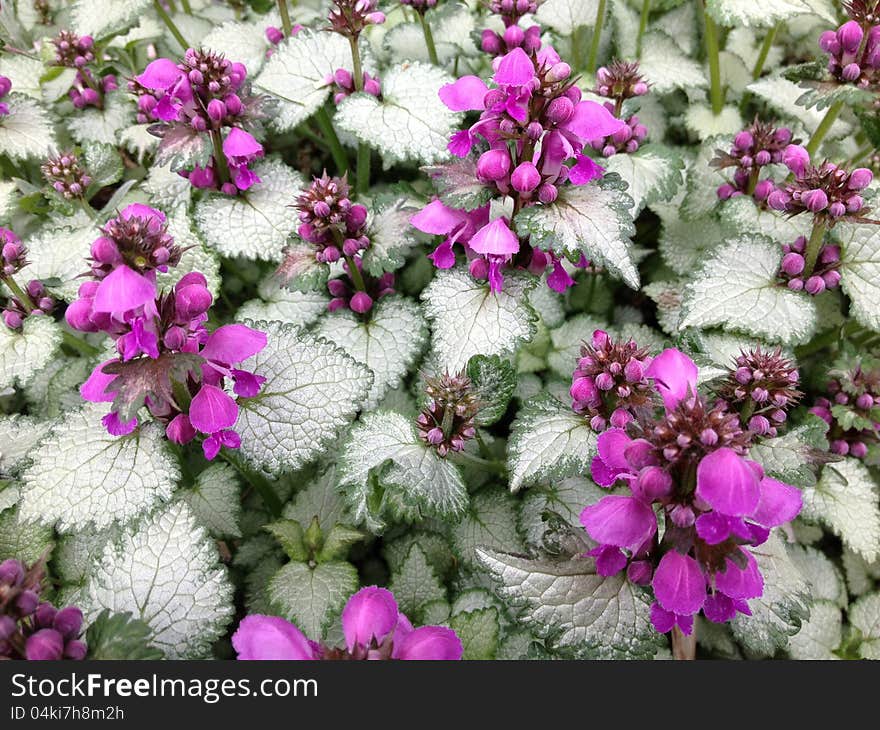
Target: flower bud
{"points": [[558, 72], [851, 71], [233, 104], [639, 572], [361, 302], [525, 178], [216, 110], [68, 622], [175, 338], [850, 36], [490, 42], [45, 644], [858, 450], [796, 159], [860, 178], [815, 285], [815, 200], [744, 141], [180, 430], [831, 279], [191, 301], [559, 110], [493, 164], [274, 35], [547, 193], [514, 36], [653, 483], [78, 315], [793, 264]]}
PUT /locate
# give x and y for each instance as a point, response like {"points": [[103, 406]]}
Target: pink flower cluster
{"points": [[351, 17], [690, 466], [168, 362], [77, 52], [852, 409], [511, 12], [754, 148], [825, 274], [373, 626], [619, 81], [204, 94], [854, 49], [34, 300], [533, 121]]}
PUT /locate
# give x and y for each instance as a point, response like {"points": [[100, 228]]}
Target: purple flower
{"points": [[241, 148], [675, 375], [373, 627]]}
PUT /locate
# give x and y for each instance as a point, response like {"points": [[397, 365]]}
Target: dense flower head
{"points": [[5, 88], [373, 626], [38, 302], [31, 628], [829, 192], [852, 406], [854, 48], [763, 385], [345, 292], [167, 361], [691, 466], [329, 220], [609, 384], [619, 81], [351, 17], [66, 176], [74, 51], [512, 11], [825, 273], [532, 122], [447, 418], [14, 252], [759, 145]]}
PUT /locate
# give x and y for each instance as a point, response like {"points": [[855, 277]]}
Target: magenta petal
{"points": [[779, 503], [495, 238], [428, 643], [437, 219], [591, 120], [679, 585], [586, 170], [727, 483], [602, 474], [239, 143], [559, 280], [718, 608], [247, 385], [233, 343], [122, 290], [610, 560], [212, 410], [443, 256], [139, 210], [116, 426], [612, 445], [675, 375], [95, 388], [662, 619], [159, 75], [738, 583], [515, 69], [466, 94], [713, 527], [371, 613], [461, 143], [261, 637], [621, 521]]}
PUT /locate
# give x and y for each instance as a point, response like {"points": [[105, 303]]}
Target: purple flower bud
{"points": [[175, 338], [640, 572], [815, 200], [743, 141], [854, 203], [709, 437], [233, 104], [525, 178], [514, 36], [199, 124], [840, 447], [604, 381], [75, 650], [7, 627], [620, 418], [558, 72], [858, 449], [361, 302], [829, 255], [11, 572], [559, 110], [796, 284], [493, 164], [796, 159], [45, 644], [274, 35], [191, 301], [815, 285], [828, 42], [634, 371], [653, 483], [44, 616], [865, 401], [180, 430], [860, 178], [11, 319], [534, 130], [216, 110], [837, 209], [5, 86], [547, 193], [90, 97], [682, 515], [793, 264], [490, 42], [597, 423], [778, 199], [763, 157], [759, 425], [726, 191], [68, 621], [850, 36]]}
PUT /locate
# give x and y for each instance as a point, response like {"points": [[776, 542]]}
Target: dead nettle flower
{"points": [[852, 408], [619, 81], [754, 148], [74, 51], [447, 420], [5, 87], [350, 17], [825, 274], [64, 173], [33, 299], [854, 48], [827, 191], [139, 240], [511, 12], [609, 384], [762, 386]]}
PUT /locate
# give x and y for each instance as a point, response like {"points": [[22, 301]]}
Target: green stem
{"points": [[19, 293], [257, 481], [861, 154], [187, 8], [813, 247], [577, 59], [322, 118], [88, 209], [716, 91], [178, 36], [826, 339], [363, 169], [429, 39], [813, 145], [643, 25], [765, 50], [597, 37], [355, 274], [285, 18], [357, 70], [81, 346], [220, 164], [498, 467]]}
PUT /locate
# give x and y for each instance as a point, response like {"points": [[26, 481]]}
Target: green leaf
{"points": [[845, 500], [741, 216], [410, 122], [388, 343], [666, 68], [164, 571], [791, 458], [592, 220], [653, 173], [103, 18], [114, 636], [479, 633], [782, 94], [337, 543], [864, 616], [860, 271], [312, 597], [820, 635], [776, 615], [545, 505], [279, 304], [391, 236], [468, 319], [22, 539], [490, 522], [458, 185], [384, 462], [684, 244], [493, 381], [564, 16], [312, 391], [737, 289], [573, 608], [415, 585], [290, 536], [103, 163], [548, 441], [319, 499], [242, 42], [104, 125], [733, 13], [26, 132], [215, 500]]}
